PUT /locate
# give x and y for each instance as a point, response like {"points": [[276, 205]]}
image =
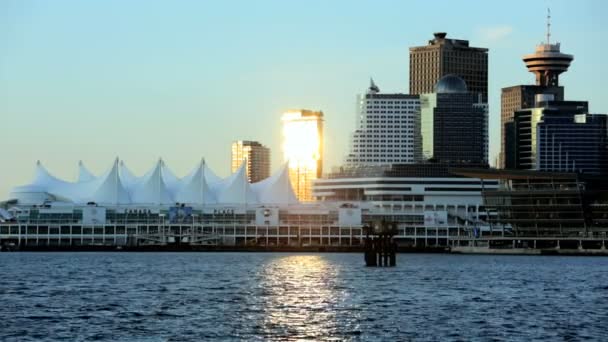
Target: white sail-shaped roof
{"points": [[194, 188], [60, 189], [128, 179], [159, 186], [276, 189], [84, 175], [151, 188], [236, 189], [210, 176], [171, 181], [109, 188]]}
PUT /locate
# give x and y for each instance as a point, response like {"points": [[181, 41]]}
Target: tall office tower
{"points": [[257, 157], [547, 63], [386, 129], [519, 97], [443, 56], [454, 124], [303, 149], [557, 136]]}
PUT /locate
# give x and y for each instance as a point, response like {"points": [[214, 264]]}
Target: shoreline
{"points": [[315, 249]]}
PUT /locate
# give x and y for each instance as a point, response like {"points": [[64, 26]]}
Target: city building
{"points": [[386, 129], [558, 136], [547, 63], [545, 209], [256, 157], [453, 124], [429, 205], [520, 97], [303, 149], [443, 56]]}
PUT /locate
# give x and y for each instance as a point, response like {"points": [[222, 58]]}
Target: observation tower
{"points": [[547, 62]]}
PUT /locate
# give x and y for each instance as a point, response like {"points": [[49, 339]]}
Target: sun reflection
{"points": [[301, 297], [303, 149]]}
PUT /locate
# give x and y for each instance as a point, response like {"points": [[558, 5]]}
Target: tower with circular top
{"points": [[547, 62]]}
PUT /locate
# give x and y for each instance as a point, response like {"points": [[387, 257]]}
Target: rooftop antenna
{"points": [[548, 25]]}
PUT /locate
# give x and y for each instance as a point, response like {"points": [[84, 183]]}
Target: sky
{"points": [[141, 80]]}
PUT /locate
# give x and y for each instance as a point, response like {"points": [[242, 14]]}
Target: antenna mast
{"points": [[548, 25]]}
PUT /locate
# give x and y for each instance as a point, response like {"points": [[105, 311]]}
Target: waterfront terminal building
{"points": [[119, 209]]}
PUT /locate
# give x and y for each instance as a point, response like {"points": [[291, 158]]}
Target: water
{"points": [[268, 296]]}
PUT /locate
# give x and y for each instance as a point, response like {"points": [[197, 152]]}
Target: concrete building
{"points": [[256, 157], [454, 124], [386, 132], [303, 149], [443, 56], [558, 136]]}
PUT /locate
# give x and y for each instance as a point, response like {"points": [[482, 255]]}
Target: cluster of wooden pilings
{"points": [[380, 248]]}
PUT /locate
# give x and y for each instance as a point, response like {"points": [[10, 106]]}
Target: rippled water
{"points": [[267, 296]]}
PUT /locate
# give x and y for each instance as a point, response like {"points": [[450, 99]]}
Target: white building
{"points": [[386, 130], [118, 208]]}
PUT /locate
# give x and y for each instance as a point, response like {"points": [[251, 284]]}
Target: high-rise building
{"points": [[443, 56], [454, 124], [303, 149], [386, 129], [557, 136], [547, 63], [519, 97], [257, 157]]}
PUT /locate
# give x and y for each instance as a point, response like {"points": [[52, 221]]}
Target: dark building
{"points": [[546, 204], [547, 63], [453, 124], [520, 97], [443, 56], [557, 136]]}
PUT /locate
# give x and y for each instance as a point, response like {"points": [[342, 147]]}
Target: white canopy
{"points": [[159, 186], [84, 175]]}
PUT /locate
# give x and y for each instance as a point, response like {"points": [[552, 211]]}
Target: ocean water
{"points": [[282, 296]]}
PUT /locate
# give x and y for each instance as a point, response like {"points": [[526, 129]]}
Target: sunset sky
{"points": [[93, 80]]}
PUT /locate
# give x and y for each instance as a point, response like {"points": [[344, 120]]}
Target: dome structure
{"points": [[451, 84]]}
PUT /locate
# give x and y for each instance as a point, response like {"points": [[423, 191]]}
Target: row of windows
{"points": [[389, 112], [389, 128], [391, 102], [408, 152], [376, 160], [363, 136], [396, 118], [394, 107]]}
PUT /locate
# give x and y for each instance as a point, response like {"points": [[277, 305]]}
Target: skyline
{"points": [[141, 91]]}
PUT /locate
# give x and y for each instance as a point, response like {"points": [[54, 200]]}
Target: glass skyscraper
{"points": [[453, 124], [558, 136]]}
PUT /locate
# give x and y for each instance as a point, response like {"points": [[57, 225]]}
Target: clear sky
{"points": [[180, 80]]}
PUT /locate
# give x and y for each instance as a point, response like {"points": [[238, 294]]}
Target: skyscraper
{"points": [[386, 129], [303, 149], [257, 157], [454, 124], [557, 136], [547, 63], [443, 56]]}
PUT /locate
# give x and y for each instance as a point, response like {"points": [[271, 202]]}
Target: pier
{"points": [[380, 247]]}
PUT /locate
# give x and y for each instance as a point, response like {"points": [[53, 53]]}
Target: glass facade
{"points": [[303, 149], [257, 157], [559, 136], [454, 128]]}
